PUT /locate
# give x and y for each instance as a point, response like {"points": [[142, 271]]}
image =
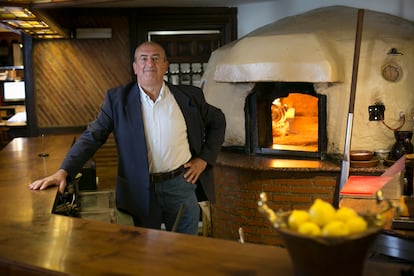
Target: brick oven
{"points": [[284, 89]]}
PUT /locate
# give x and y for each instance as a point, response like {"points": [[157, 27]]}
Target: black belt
{"points": [[159, 177]]}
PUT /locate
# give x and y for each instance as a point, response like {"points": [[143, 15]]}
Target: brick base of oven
{"points": [[237, 193]]}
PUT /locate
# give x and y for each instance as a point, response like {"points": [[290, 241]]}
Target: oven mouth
{"points": [[286, 119]]}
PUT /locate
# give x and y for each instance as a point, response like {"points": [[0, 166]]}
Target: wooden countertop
{"points": [[36, 241]]}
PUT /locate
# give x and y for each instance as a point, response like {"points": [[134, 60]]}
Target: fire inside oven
{"points": [[286, 119]]}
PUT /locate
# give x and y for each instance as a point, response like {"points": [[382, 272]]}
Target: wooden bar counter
{"points": [[33, 241]]}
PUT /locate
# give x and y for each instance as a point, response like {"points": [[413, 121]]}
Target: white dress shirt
{"points": [[165, 132]]}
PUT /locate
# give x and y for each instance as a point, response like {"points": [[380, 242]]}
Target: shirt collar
{"points": [[161, 96]]}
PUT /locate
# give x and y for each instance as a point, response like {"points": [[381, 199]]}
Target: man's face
{"points": [[150, 64]]}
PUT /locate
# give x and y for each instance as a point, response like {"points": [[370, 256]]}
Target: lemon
{"points": [[321, 212], [296, 218], [345, 213], [335, 228], [309, 228], [356, 225], [322, 219]]}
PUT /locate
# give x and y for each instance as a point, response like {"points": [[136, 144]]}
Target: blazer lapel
{"points": [[185, 103], [132, 107]]}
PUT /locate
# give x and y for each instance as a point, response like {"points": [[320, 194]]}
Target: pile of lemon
{"points": [[322, 219]]}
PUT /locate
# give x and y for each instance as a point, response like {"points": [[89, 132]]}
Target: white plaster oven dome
{"points": [[318, 47], [280, 58]]}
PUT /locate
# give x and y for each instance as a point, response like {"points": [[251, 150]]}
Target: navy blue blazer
{"points": [[121, 114]]}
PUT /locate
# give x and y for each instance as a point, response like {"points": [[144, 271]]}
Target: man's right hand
{"points": [[58, 178]]}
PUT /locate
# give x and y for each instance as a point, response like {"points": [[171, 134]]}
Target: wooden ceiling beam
{"points": [[67, 3]]}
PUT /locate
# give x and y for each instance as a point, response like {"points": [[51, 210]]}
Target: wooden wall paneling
{"points": [[189, 48], [143, 20], [72, 76]]}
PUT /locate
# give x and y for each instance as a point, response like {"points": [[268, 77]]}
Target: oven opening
{"points": [[287, 119]]}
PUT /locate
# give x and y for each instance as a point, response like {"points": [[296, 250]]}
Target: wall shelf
{"points": [[21, 67]]}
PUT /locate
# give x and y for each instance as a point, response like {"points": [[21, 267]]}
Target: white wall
{"points": [[253, 16]]}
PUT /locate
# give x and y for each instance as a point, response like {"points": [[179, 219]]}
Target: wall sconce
{"points": [[394, 52]]}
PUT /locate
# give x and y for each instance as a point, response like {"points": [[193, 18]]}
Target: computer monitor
{"points": [[14, 91]]}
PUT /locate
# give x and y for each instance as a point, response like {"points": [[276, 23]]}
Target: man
{"points": [[168, 138]]}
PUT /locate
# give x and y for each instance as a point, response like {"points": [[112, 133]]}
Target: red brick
{"points": [[238, 192]]}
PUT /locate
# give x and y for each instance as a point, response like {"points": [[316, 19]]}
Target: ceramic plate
{"points": [[365, 164]]}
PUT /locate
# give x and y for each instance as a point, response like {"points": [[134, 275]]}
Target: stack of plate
{"points": [[363, 159]]}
